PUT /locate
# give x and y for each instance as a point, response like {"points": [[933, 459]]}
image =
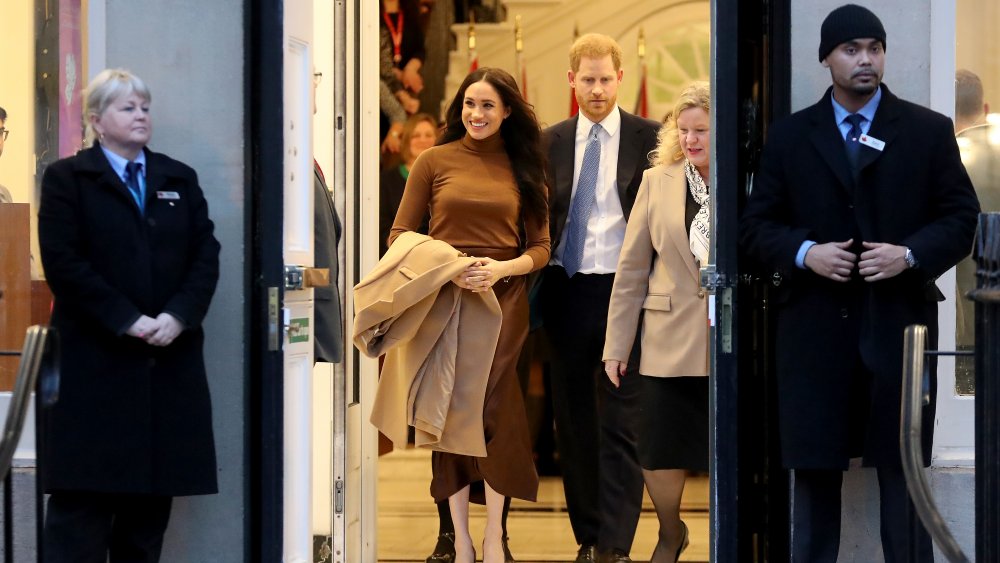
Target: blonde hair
{"points": [[109, 85], [595, 46], [668, 145]]}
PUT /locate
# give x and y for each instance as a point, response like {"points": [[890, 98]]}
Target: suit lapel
{"points": [[675, 190], [825, 136], [884, 127], [156, 176], [628, 155], [565, 154]]}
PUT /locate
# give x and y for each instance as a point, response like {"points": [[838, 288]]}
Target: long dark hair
{"points": [[521, 135]]}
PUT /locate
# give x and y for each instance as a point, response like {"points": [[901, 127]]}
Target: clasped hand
{"points": [[880, 260], [481, 275], [160, 331]]}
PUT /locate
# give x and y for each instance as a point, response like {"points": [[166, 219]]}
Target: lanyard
{"points": [[396, 35]]}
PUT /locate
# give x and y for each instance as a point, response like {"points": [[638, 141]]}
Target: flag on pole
{"points": [[642, 100], [473, 56]]}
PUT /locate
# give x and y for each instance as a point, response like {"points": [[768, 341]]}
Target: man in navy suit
{"points": [[861, 202], [604, 149]]}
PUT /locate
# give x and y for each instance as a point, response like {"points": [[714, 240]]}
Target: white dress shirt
{"points": [[606, 226]]}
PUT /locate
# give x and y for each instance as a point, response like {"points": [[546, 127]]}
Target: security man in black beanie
{"points": [[861, 202]]}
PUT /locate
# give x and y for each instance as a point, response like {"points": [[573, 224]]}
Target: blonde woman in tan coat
{"points": [[657, 281]]}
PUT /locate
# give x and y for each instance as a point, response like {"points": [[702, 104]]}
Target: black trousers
{"points": [[816, 518], [595, 422], [84, 527]]}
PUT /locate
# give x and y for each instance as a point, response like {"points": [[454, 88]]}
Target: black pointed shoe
{"points": [[444, 551]]}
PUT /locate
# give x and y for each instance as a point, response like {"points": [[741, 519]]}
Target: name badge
{"points": [[168, 195], [872, 142]]}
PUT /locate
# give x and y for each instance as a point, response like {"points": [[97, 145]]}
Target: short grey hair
{"points": [[109, 85]]}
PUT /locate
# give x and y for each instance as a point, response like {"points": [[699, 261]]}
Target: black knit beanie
{"points": [[848, 22]]}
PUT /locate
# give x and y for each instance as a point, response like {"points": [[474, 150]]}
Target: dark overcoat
{"points": [[914, 193], [131, 418]]}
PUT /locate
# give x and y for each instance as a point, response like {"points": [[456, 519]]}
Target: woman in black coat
{"points": [[129, 253]]}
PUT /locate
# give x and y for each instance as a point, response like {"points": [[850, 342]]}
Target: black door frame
{"points": [[264, 20], [751, 59]]}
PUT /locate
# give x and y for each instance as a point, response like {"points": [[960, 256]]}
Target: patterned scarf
{"points": [[701, 228]]}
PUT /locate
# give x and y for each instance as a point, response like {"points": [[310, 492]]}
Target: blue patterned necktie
{"points": [[132, 171], [583, 202], [852, 143]]}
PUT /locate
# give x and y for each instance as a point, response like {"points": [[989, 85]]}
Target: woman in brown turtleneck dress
{"points": [[483, 185]]}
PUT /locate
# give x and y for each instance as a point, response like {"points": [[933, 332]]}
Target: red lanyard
{"points": [[396, 34]]}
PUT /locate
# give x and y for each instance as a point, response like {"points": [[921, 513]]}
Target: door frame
{"points": [[265, 361], [751, 56]]}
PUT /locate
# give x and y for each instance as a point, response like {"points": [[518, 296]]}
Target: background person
{"points": [[600, 153], [861, 202], [4, 192], [129, 253], [484, 185], [658, 281], [419, 134]]}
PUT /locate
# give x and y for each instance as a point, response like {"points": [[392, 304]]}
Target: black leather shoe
{"points": [[507, 557], [614, 556], [444, 551], [587, 554]]}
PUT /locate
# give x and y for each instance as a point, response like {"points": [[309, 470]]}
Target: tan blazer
{"points": [[408, 309], [675, 332]]}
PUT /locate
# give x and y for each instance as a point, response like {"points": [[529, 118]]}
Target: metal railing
{"points": [[38, 373], [916, 394]]}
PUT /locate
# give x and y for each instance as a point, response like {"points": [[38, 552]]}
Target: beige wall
{"points": [[977, 44], [17, 59]]}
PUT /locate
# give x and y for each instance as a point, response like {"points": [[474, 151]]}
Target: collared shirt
{"points": [[118, 164], [841, 114], [606, 226]]}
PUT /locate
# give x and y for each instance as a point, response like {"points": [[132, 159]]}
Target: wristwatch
{"points": [[911, 262]]}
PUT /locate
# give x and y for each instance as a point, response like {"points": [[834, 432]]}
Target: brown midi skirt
{"points": [[508, 466]]}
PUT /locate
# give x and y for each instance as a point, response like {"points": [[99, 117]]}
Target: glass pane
{"points": [[977, 125]]}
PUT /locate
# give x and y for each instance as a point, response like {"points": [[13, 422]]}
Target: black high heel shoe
{"points": [[507, 557], [444, 551], [684, 542]]}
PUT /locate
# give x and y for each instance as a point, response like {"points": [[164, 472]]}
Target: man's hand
{"points": [[615, 370], [882, 261], [391, 142], [831, 260]]}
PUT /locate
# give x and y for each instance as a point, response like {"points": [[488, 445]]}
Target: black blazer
{"points": [[131, 418], [914, 193], [638, 139]]}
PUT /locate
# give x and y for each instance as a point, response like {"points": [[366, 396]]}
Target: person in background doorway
{"points": [[970, 108], [861, 202], [419, 134], [981, 157], [4, 192], [657, 284], [328, 336], [595, 165], [129, 252], [484, 186]]}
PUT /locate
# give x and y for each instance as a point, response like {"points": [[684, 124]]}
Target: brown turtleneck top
{"points": [[470, 191]]}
